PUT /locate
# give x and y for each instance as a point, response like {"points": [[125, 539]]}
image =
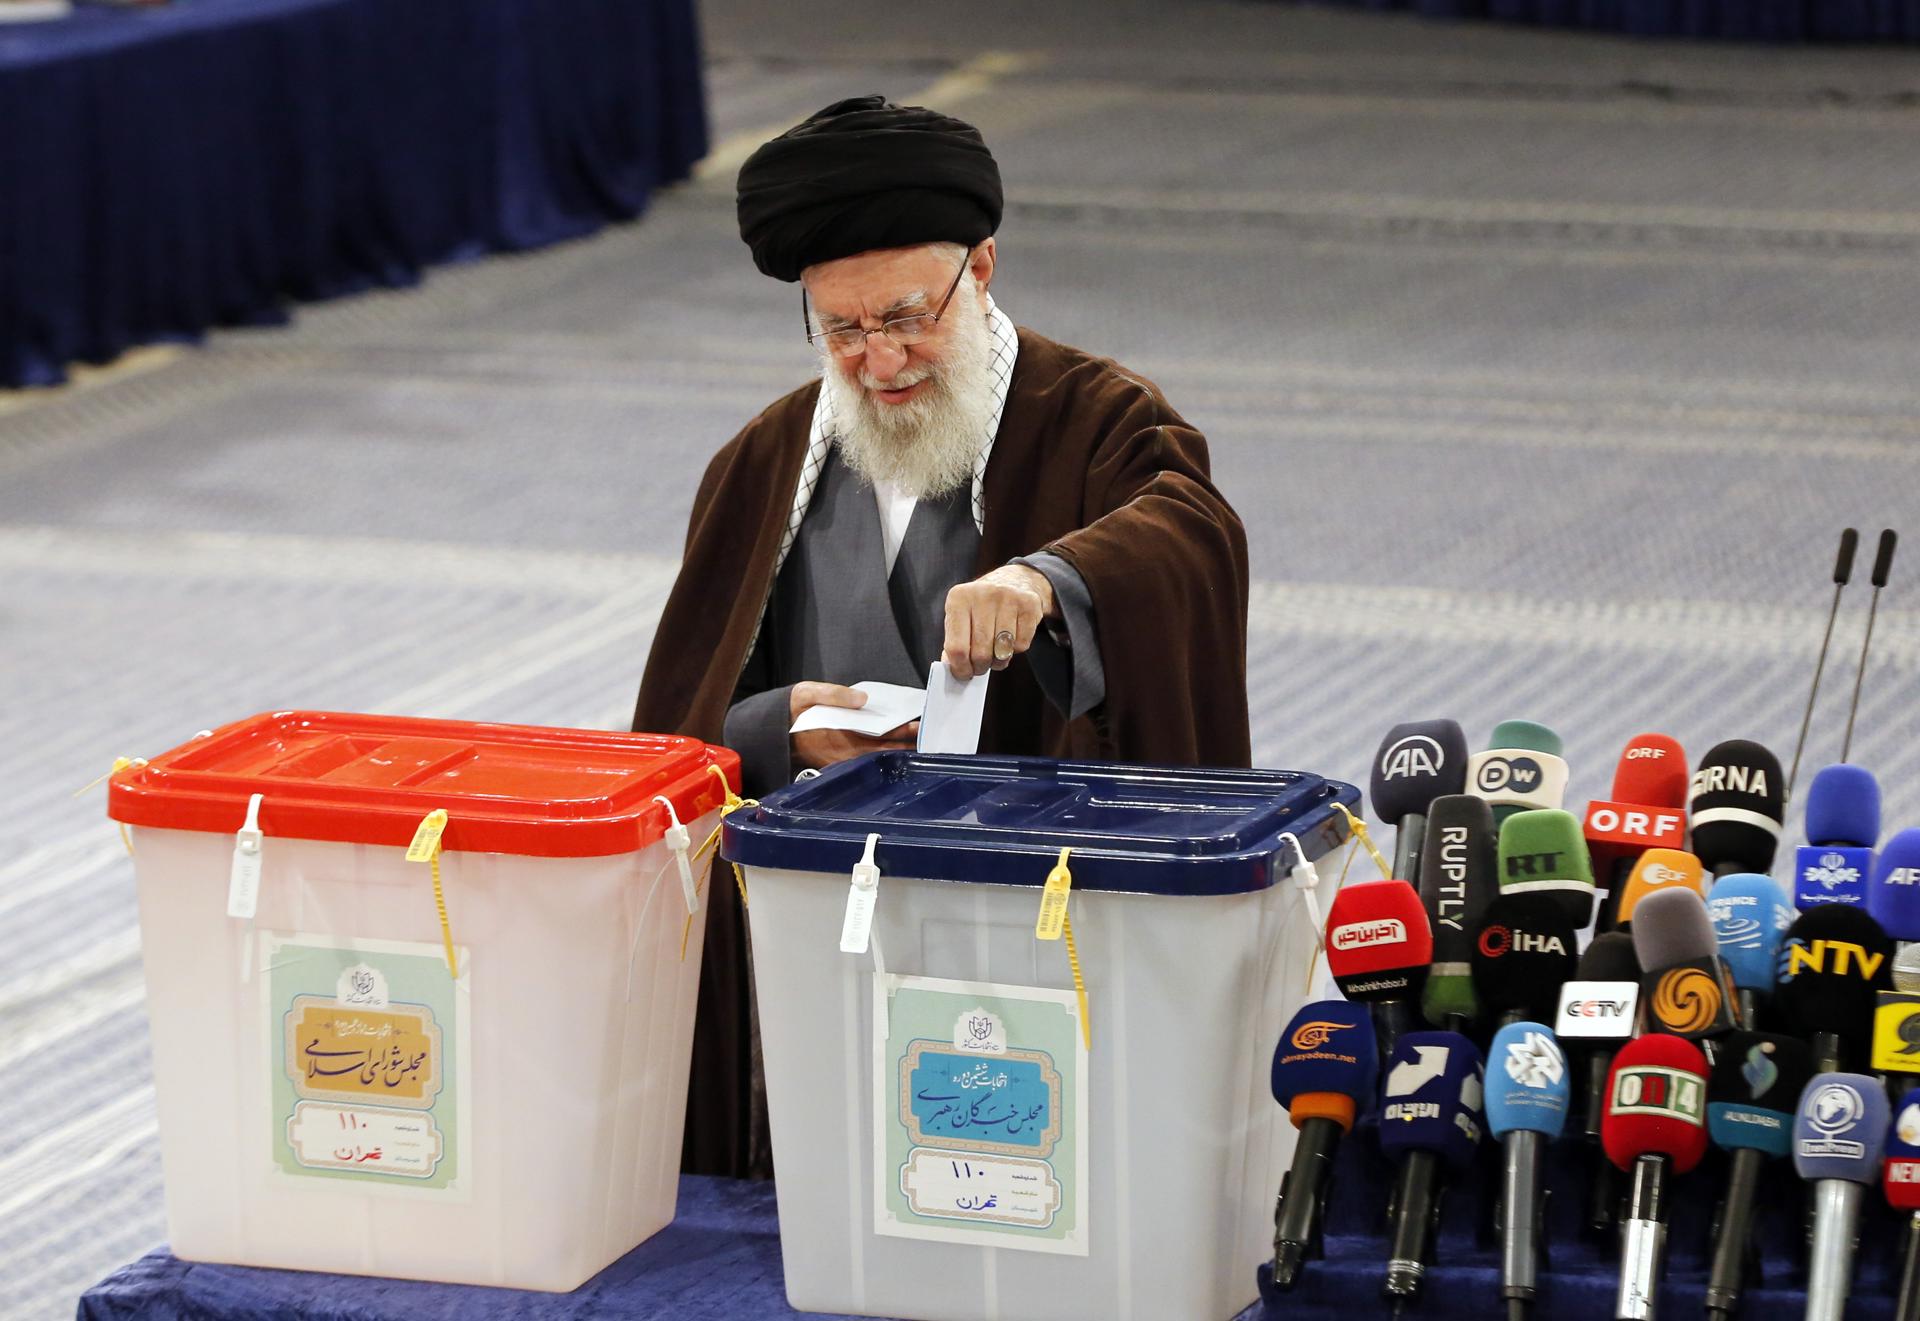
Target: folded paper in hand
{"points": [[889, 706]]}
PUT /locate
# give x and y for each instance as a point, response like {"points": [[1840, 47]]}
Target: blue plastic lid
{"points": [[1004, 820]]}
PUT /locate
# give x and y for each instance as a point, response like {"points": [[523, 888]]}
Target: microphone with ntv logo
{"points": [[1417, 763], [1324, 1071]]}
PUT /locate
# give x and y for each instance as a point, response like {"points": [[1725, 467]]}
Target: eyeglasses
{"points": [[851, 341]]}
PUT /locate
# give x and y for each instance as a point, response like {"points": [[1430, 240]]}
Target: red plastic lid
{"points": [[357, 779]]}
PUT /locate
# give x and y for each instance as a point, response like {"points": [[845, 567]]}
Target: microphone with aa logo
{"points": [[1900, 1178], [1525, 952], [1687, 989], [1755, 1085], [1457, 869], [1834, 963], [1417, 763], [1431, 1121], [1324, 1072], [1520, 769], [1527, 1092], [1736, 808], [1843, 822], [1656, 1123], [1750, 922], [1543, 852], [1646, 810], [1598, 1010], [1894, 896], [1378, 948], [1838, 1135], [1657, 869]]}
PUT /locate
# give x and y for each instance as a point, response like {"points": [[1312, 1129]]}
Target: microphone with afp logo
{"points": [[1843, 823], [1750, 921], [1900, 1177], [1756, 1083], [1417, 763], [1687, 989], [1431, 1120], [1835, 962], [1646, 810], [1838, 1135], [1379, 947], [1737, 808], [1527, 1092], [1457, 870], [1324, 1073], [1656, 1123], [1894, 895], [1543, 852], [1520, 769], [1598, 1011]]}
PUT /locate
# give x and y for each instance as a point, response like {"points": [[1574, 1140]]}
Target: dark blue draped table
{"points": [[163, 171], [1737, 20]]}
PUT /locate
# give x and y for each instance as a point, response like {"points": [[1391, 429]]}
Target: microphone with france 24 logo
{"points": [[1520, 769], [1838, 1134], [1756, 1082], [1417, 763], [1324, 1073], [1378, 948], [1656, 1121], [1843, 824], [1527, 1092], [1430, 1119], [1750, 920]]}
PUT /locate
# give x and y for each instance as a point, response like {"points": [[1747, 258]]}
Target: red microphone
{"points": [[1656, 1119], [1648, 810], [1379, 947]]}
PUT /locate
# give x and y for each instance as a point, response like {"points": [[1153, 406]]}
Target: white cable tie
{"points": [[677, 843]]}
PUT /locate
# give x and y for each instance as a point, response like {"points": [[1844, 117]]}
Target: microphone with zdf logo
{"points": [[1756, 1083], [1431, 1119], [1657, 870], [1520, 769], [1458, 864], [1843, 822], [1417, 763], [1324, 1071], [1838, 1134], [1527, 1093]]}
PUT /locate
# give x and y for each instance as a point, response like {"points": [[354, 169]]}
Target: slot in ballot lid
{"points": [[1004, 820], [364, 779]]}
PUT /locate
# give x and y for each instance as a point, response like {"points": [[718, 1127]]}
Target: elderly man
{"points": [[950, 488]]}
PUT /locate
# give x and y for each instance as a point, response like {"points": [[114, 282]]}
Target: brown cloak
{"points": [[1090, 464]]}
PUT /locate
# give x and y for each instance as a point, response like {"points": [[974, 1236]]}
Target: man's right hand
{"points": [[821, 748]]}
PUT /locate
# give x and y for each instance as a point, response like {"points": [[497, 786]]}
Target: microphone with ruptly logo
{"points": [[1324, 1070], [1598, 1010], [1750, 921], [1687, 989], [1894, 895], [1542, 852], [1527, 1091], [1843, 821], [1521, 768], [1417, 763], [1457, 869], [1900, 1178], [1657, 869], [1656, 1122], [1378, 948], [1646, 810], [1736, 808], [1756, 1083], [1835, 961], [1524, 953], [1838, 1134], [1431, 1121]]}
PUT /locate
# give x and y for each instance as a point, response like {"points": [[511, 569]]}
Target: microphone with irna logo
{"points": [[1417, 763], [1324, 1073], [1527, 1091], [1838, 1135], [1737, 808], [1843, 823]]}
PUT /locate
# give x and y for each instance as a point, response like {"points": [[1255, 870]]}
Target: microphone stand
{"points": [[1907, 1308], [1643, 1240]]}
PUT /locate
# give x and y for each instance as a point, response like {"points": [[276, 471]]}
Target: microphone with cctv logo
{"points": [[1687, 989], [1378, 949], [1658, 869], [1457, 869], [1838, 1136], [1843, 821], [1756, 1083], [1656, 1122], [1521, 768], [1736, 808], [1598, 1011], [1527, 1090], [1523, 955], [1894, 895], [1324, 1072], [1417, 763], [1750, 922], [1900, 1177], [1647, 810], [1543, 852], [1431, 1121], [1834, 963]]}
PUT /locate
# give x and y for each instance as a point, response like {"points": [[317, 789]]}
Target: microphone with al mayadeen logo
{"points": [[1378, 948], [1838, 1135], [1657, 869], [1457, 869], [1750, 922], [1543, 852], [1417, 763], [1527, 1090], [1687, 989], [1900, 1177], [1835, 962], [1598, 1010], [1656, 1123], [1843, 823], [1894, 895], [1756, 1083], [1737, 807], [1520, 769], [1324, 1073], [1431, 1120], [1525, 952], [1646, 810]]}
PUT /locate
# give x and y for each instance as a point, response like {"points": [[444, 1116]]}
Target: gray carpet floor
{"points": [[1543, 368]]}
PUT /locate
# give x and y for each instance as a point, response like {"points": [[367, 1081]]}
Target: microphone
{"points": [[1542, 852], [1431, 1122], [1737, 808], [1750, 921], [1900, 1177], [1882, 565], [1521, 768], [1842, 571], [1656, 1121], [1657, 869], [1524, 953], [1598, 1010], [1378, 949], [1843, 821], [1838, 1135], [1751, 1095], [1527, 1092], [1894, 895], [1324, 1071], [1835, 959], [1687, 989], [1417, 763], [1457, 869], [1646, 810]]}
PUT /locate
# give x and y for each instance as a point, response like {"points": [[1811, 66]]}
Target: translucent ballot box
{"points": [[1003, 1087], [470, 1066]]}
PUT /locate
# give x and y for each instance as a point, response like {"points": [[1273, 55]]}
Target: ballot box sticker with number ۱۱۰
{"points": [[980, 1114], [368, 1042]]}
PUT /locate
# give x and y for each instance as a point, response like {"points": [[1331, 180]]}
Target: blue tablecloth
{"points": [[1738, 20], [165, 170]]}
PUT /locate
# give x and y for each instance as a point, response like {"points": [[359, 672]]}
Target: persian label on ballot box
{"points": [[980, 1114], [368, 1043]]}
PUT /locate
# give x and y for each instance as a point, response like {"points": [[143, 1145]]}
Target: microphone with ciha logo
{"points": [[1379, 947], [1417, 763], [1324, 1072]]}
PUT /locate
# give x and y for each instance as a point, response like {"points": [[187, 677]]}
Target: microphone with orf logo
{"points": [[1687, 990], [1417, 763], [1379, 947], [1324, 1072], [1646, 810]]}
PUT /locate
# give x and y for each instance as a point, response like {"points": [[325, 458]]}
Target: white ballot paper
{"points": [[889, 706], [954, 709]]}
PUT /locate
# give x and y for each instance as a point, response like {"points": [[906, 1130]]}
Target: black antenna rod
{"points": [[1842, 572], [1882, 562]]}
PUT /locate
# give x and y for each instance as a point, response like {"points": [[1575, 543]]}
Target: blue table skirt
{"points": [[1737, 20], [166, 170]]}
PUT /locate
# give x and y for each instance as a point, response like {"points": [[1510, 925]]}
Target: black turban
{"points": [[863, 174]]}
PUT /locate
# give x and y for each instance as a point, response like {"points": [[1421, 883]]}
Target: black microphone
{"points": [[1737, 807], [1324, 1071], [1523, 955], [1751, 1097], [1835, 962], [1417, 763], [1458, 878], [1598, 1010]]}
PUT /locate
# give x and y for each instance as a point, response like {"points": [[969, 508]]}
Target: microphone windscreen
{"points": [[1900, 1172], [1906, 969], [1656, 1103], [1750, 921], [1433, 1097], [1893, 896], [1834, 962], [1525, 951], [1686, 989], [1600, 1002], [1328, 1049], [1609, 957], [1449, 996], [1896, 1030], [1527, 1082], [1528, 735], [1755, 1085], [1736, 806], [1521, 768], [1673, 928], [1831, 874], [1417, 763], [1457, 870], [1652, 772], [1543, 852], [1657, 870], [1840, 1128], [1378, 940], [1843, 806]]}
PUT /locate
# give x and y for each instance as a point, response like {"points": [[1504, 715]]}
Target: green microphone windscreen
{"points": [[1543, 851], [1528, 734], [1443, 997]]}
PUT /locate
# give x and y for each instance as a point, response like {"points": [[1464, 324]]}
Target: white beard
{"points": [[925, 447]]}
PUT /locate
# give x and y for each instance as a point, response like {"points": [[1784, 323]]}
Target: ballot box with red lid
{"points": [[422, 991]]}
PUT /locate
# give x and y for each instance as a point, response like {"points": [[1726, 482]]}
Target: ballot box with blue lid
{"points": [[989, 1103]]}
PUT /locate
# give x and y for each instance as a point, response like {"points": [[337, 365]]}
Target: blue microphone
{"points": [[1894, 895], [1843, 821], [1431, 1120], [1750, 920], [1324, 1071], [1527, 1094], [1838, 1134]]}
